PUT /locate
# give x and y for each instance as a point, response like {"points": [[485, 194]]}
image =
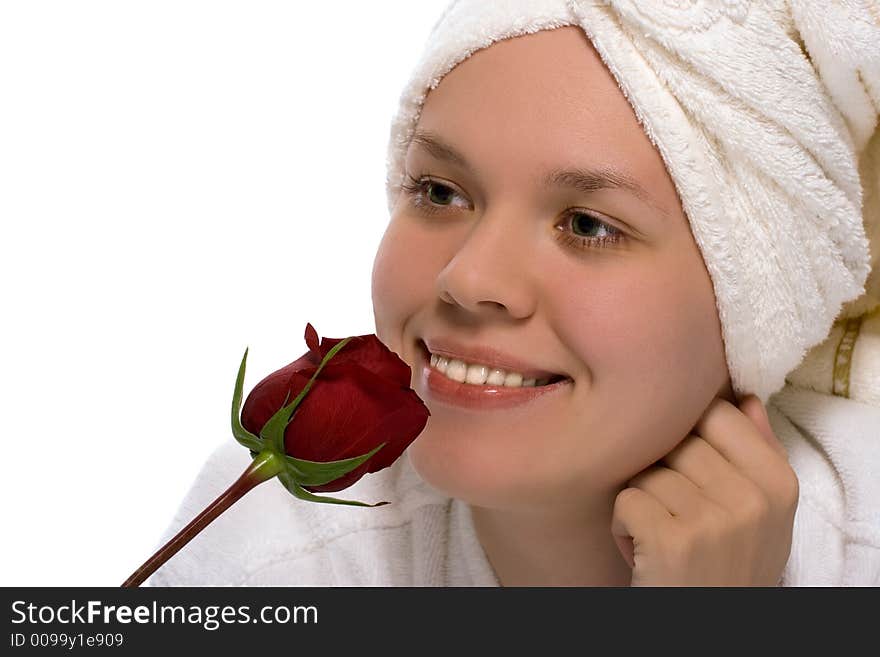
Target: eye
{"points": [[581, 229], [430, 196], [587, 231]]}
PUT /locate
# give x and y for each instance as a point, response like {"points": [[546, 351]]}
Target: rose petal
{"points": [[344, 403], [372, 354]]}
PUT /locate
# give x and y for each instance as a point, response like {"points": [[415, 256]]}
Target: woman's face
{"points": [[487, 253]]}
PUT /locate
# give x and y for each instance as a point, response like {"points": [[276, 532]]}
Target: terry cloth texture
{"points": [[270, 538], [765, 114]]}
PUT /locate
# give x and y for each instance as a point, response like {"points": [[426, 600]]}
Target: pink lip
{"points": [[477, 397], [486, 356]]}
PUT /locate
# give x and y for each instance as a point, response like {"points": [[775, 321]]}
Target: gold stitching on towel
{"points": [[843, 356]]}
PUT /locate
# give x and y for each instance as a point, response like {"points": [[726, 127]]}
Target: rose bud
{"points": [[353, 412], [363, 399]]}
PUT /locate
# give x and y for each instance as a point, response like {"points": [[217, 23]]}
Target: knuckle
{"points": [[753, 506], [717, 517]]}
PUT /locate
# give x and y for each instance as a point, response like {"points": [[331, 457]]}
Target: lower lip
{"points": [[479, 397]]}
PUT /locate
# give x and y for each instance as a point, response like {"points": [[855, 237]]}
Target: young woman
{"points": [[555, 277]]}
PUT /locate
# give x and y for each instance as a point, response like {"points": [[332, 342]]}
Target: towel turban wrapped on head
{"points": [[766, 116]]}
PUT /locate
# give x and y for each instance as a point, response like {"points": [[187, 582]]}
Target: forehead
{"points": [[541, 101]]}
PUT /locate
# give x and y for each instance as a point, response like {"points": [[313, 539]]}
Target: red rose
{"points": [[361, 399], [342, 410]]}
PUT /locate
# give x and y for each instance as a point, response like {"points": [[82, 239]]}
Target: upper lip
{"points": [[486, 355]]}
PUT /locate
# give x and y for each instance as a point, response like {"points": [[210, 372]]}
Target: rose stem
{"points": [[264, 466]]}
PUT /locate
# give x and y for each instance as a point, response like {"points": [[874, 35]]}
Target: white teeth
{"points": [[477, 374], [513, 380], [456, 370], [496, 377]]}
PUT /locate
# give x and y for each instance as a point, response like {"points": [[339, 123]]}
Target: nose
{"points": [[488, 273]]}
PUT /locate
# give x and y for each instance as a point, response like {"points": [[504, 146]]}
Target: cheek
{"points": [[641, 320], [647, 336], [400, 282]]}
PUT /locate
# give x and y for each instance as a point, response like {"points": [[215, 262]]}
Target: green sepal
{"points": [[241, 434], [301, 493], [273, 430], [316, 473]]}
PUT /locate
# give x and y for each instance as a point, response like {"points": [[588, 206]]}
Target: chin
{"points": [[448, 463], [492, 476]]}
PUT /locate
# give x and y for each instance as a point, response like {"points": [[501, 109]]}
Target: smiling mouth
{"points": [[483, 375], [438, 388]]}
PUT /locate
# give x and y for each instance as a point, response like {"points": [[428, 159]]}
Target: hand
{"points": [[718, 510]]}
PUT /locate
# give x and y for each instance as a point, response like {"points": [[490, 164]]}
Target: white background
{"points": [[179, 180]]}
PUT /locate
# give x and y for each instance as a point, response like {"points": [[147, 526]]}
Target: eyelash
{"points": [[416, 189]]}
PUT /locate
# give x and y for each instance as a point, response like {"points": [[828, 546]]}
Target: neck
{"points": [[565, 547]]}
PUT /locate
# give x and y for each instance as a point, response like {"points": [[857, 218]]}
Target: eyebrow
{"points": [[579, 179]]}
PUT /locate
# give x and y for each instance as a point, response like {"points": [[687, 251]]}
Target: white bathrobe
{"points": [[424, 538]]}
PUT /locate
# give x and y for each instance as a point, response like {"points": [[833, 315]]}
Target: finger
{"points": [[739, 441], [638, 515], [698, 461], [681, 496], [752, 407], [703, 465]]}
